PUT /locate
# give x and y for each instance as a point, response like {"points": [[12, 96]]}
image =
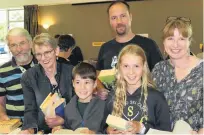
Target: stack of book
{"points": [[53, 105], [68, 131], [8, 126]]}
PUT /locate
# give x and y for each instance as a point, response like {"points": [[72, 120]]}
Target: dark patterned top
{"points": [[185, 98]]}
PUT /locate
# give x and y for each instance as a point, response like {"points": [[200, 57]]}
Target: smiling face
{"points": [[131, 68], [84, 88], [120, 19], [20, 48], [46, 55], [177, 46]]}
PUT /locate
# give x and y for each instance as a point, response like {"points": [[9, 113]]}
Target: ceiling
{"points": [[20, 3]]}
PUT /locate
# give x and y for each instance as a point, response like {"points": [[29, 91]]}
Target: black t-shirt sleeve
{"points": [[99, 64], [155, 55]]}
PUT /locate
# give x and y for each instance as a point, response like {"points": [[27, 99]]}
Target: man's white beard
{"points": [[24, 58]]}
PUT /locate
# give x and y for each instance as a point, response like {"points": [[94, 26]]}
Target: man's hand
{"points": [[27, 131], [102, 94], [4, 117], [53, 122]]}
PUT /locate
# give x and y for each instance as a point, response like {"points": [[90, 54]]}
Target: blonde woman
{"points": [[180, 78], [135, 98]]}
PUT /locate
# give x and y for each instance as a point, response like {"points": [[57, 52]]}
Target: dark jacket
{"points": [[36, 87], [93, 115], [76, 56], [157, 115]]}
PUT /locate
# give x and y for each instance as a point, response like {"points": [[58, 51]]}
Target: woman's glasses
{"points": [[46, 54], [174, 18]]}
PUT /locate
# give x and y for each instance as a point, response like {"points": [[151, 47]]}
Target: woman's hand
{"points": [[111, 130], [53, 122], [200, 132]]}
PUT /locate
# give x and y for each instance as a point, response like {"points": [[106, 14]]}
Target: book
{"points": [[53, 105], [181, 127], [68, 131], [6, 126], [15, 131], [107, 76], [117, 122], [18, 130]]}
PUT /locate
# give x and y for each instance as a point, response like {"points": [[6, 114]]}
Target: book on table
{"points": [[181, 127], [69, 131], [7, 126]]}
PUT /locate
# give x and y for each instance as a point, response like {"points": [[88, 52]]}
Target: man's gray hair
{"points": [[19, 32]]}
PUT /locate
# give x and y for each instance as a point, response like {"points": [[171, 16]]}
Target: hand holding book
{"points": [[53, 105], [53, 122]]}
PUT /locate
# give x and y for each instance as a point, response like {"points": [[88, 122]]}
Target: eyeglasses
{"points": [[46, 54], [15, 45], [174, 18]]}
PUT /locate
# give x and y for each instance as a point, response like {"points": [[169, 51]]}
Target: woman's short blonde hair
{"points": [[44, 39]]}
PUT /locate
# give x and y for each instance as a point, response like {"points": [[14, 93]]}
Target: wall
{"points": [[89, 23]]}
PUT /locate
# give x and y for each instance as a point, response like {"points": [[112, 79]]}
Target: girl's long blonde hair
{"points": [[121, 85]]}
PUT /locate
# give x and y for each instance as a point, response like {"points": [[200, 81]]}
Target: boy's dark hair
{"points": [[57, 36], [117, 2], [65, 42], [84, 70]]}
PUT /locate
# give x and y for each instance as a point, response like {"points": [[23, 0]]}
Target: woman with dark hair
{"points": [[69, 50]]}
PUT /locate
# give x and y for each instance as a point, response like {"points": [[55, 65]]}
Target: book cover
{"points": [[7, 126], [107, 76], [116, 122], [181, 127], [59, 107], [53, 105]]}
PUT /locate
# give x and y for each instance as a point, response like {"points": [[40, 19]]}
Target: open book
{"points": [[107, 76], [7, 126], [53, 105], [181, 127], [116, 122], [68, 131]]}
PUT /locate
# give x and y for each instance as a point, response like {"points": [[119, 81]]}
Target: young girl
{"points": [[135, 98]]}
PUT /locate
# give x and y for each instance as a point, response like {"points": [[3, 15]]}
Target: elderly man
{"points": [[11, 95]]}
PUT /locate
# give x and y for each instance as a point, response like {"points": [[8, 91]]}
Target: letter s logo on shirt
{"points": [[130, 111]]}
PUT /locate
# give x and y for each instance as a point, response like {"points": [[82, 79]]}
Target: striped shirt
{"points": [[10, 87]]}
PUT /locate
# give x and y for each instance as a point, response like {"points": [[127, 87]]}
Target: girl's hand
{"points": [[56, 128]]}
